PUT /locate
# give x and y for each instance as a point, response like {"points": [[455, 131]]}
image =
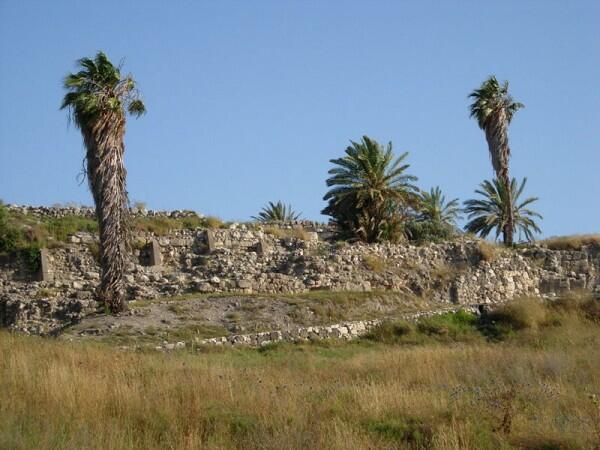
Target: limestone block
{"points": [[155, 257]]}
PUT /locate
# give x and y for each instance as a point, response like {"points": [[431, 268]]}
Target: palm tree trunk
{"points": [[496, 134], [107, 175], [507, 232]]}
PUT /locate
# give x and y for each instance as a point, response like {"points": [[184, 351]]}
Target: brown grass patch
{"points": [[282, 233], [576, 242], [487, 252], [331, 395], [375, 263]]}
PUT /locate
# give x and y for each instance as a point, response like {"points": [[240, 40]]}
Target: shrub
{"points": [[422, 232], [486, 251], [375, 263], [584, 305], [390, 332], [10, 237], [31, 257], [526, 314], [458, 326], [213, 222]]}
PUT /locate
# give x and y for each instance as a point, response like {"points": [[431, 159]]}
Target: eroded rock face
{"points": [[251, 260]]}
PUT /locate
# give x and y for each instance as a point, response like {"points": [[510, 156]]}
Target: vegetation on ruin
{"points": [[98, 99], [524, 377], [494, 108], [277, 212], [576, 242], [501, 207], [369, 187]]}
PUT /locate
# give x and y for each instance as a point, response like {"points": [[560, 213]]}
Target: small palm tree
{"points": [[434, 208], [98, 97], [369, 187], [493, 107], [277, 212], [492, 212]]}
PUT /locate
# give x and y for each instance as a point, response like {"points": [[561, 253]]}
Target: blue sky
{"points": [[248, 101]]}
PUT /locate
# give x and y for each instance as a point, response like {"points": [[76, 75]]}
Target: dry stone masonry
{"points": [[282, 260]]}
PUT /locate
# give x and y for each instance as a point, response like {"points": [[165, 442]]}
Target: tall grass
{"points": [[575, 242], [535, 390]]}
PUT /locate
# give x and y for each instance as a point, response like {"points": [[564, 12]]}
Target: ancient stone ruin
{"points": [[253, 259]]}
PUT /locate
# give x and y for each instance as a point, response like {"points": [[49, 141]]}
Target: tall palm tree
{"points": [[277, 212], [434, 208], [493, 107], [492, 212], [369, 187], [98, 97]]}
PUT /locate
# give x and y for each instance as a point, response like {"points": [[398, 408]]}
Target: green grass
{"points": [[536, 388], [20, 231]]}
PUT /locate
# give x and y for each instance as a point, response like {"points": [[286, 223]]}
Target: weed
{"points": [[94, 249], [486, 251], [375, 263]]}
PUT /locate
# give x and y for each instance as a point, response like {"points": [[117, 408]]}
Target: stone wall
{"points": [[344, 330], [255, 259], [47, 212]]}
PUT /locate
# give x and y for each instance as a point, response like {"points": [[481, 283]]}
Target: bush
{"points": [[31, 257], [9, 237], [390, 332], [460, 326], [375, 263], [520, 315], [584, 305], [422, 232], [486, 251]]}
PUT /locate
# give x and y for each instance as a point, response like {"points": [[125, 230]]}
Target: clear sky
{"points": [[248, 100]]}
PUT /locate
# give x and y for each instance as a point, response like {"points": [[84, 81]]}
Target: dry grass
{"points": [[487, 251], [161, 226], [374, 263], [532, 391], [282, 233], [576, 242]]}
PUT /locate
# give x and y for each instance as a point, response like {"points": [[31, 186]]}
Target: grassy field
{"points": [[526, 377]]}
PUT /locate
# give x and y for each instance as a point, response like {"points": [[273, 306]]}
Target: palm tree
{"points": [[434, 208], [494, 108], [492, 212], [277, 212], [369, 188], [98, 97]]}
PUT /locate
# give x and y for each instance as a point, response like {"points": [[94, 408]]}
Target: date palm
{"points": [[434, 208], [277, 212], [369, 187], [493, 108], [492, 212], [98, 98]]}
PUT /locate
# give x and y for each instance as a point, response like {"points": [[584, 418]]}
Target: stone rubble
{"points": [[344, 330], [291, 259]]}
